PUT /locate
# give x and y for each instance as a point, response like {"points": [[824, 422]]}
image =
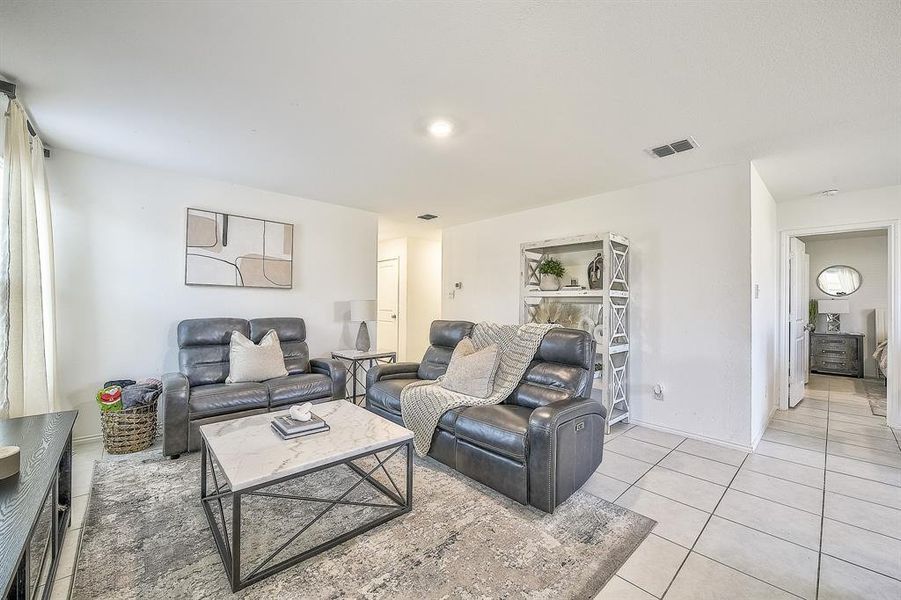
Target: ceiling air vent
{"points": [[673, 147], [427, 217]]}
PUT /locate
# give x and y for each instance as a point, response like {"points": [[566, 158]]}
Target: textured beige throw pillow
{"points": [[471, 372], [251, 362]]}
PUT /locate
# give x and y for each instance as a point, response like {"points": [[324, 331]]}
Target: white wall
{"points": [[764, 304], [419, 262], [423, 293], [690, 315], [869, 255], [844, 208], [119, 232]]}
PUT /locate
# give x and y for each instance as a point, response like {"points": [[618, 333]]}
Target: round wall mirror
{"points": [[839, 280]]}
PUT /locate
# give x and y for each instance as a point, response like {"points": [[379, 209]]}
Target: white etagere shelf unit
{"points": [[604, 312]]}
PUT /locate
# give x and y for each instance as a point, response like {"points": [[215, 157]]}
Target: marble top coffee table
{"points": [[244, 457]]}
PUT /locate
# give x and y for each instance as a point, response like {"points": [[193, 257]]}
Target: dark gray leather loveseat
{"points": [[198, 394], [538, 446]]}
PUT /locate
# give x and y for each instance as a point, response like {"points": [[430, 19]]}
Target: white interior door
{"points": [[388, 300], [798, 293]]}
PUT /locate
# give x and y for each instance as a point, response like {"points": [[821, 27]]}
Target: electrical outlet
{"points": [[658, 392]]}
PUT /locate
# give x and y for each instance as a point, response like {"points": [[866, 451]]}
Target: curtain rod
{"points": [[9, 88]]}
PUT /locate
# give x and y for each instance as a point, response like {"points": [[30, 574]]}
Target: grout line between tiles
{"points": [[667, 448], [862, 460], [700, 533], [710, 558], [822, 516], [861, 477], [793, 445], [686, 474], [862, 446], [631, 485], [855, 525], [813, 487], [813, 437], [667, 497], [679, 448], [746, 526], [861, 499], [797, 448], [627, 456], [775, 502], [845, 560]]}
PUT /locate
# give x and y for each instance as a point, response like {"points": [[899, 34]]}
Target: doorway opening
{"points": [[839, 308], [409, 294]]}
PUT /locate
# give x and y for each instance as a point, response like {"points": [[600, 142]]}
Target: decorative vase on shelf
{"points": [[596, 273], [549, 283]]}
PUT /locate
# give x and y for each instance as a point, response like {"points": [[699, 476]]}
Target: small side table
{"points": [[358, 364]]}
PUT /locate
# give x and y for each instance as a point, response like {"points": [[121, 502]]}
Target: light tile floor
{"points": [[814, 512]]}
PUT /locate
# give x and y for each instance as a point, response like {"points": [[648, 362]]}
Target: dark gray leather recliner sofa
{"points": [[198, 394], [538, 446]]}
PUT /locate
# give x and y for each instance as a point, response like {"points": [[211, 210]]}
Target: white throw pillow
{"points": [[251, 362], [472, 371]]}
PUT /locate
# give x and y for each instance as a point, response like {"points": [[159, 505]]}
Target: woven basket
{"points": [[129, 430]]}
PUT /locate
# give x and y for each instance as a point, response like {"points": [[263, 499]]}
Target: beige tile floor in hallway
{"points": [[815, 512]]}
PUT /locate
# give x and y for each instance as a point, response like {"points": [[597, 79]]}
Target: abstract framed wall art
{"points": [[235, 251]]}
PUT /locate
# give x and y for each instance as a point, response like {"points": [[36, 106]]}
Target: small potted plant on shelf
{"points": [[550, 270]]}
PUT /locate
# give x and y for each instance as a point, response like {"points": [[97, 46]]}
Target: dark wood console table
{"points": [[35, 504]]}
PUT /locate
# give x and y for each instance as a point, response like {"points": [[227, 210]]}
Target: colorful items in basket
{"points": [[123, 394], [110, 399]]}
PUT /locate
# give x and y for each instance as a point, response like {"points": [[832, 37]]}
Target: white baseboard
{"points": [[87, 439], [769, 418], [694, 436]]}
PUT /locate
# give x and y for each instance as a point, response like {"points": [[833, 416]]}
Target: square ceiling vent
{"points": [[672, 148]]}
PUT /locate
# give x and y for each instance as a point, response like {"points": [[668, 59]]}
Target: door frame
{"points": [[396, 260], [893, 229]]}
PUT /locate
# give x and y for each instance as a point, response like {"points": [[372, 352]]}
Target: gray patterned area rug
{"points": [[145, 536]]}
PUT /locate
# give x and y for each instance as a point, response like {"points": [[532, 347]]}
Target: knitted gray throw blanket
{"points": [[423, 402]]}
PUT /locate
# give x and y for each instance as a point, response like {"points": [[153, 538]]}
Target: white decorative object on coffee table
{"points": [[243, 456], [301, 412]]}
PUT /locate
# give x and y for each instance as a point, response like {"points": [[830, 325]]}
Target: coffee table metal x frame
{"points": [[228, 537]]}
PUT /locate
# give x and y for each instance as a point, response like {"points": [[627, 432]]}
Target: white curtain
{"points": [[27, 321]]}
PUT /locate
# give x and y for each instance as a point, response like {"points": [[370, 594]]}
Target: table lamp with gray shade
{"points": [[362, 311], [833, 309]]}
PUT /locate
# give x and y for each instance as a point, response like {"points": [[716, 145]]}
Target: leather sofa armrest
{"points": [[336, 371], [566, 442], [404, 370], [174, 401]]}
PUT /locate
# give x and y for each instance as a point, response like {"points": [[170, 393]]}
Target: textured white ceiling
{"points": [[553, 100]]}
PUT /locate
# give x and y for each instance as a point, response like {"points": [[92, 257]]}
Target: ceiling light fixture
{"points": [[427, 217], [440, 128], [828, 193]]}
